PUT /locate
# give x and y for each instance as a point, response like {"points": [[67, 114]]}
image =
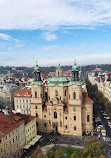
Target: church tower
{"points": [[37, 100], [59, 71], [75, 72]]}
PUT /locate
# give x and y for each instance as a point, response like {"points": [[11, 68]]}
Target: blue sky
{"points": [[55, 32]]}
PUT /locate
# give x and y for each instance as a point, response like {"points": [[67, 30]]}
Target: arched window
{"points": [[35, 94], [74, 118], [58, 73], [74, 95], [55, 114], [65, 92], [88, 118], [36, 107]]}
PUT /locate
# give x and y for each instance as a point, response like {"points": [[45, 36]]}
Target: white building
{"points": [[22, 99]]}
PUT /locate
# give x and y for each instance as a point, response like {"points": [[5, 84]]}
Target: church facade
{"points": [[65, 108]]}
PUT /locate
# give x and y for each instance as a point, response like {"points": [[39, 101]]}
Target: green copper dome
{"points": [[60, 81], [36, 68], [37, 76], [59, 67], [74, 67]]}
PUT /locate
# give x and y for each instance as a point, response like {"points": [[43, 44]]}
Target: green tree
{"points": [[94, 148]]}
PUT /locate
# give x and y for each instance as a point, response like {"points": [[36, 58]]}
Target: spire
{"points": [[74, 61]]}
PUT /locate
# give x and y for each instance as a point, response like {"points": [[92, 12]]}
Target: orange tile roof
{"points": [[23, 92], [7, 124], [16, 118], [26, 118], [97, 79], [1, 135], [86, 98]]}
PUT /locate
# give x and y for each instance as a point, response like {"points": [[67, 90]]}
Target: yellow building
{"points": [[11, 144], [30, 129], [65, 108]]}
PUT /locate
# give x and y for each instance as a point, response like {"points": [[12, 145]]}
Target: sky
{"points": [[55, 31]]}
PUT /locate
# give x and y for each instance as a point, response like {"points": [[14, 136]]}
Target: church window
{"points": [[74, 128], [66, 127], [69, 96], [58, 73], [74, 95], [44, 116], [55, 114], [35, 94], [74, 109], [36, 114], [45, 125], [66, 118], [74, 118], [36, 107], [88, 118], [65, 92], [60, 123]]}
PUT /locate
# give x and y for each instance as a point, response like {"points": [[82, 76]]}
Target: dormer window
{"points": [[18, 95]]}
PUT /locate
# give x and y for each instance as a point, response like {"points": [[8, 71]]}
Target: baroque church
{"points": [[65, 107]]}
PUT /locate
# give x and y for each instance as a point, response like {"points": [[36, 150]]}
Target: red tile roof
{"points": [[26, 118], [16, 118], [23, 92], [86, 99], [7, 123], [97, 79]]}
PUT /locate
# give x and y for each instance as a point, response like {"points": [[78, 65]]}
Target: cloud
{"points": [[49, 36], [81, 60], [50, 48], [5, 37], [51, 14], [49, 61]]}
